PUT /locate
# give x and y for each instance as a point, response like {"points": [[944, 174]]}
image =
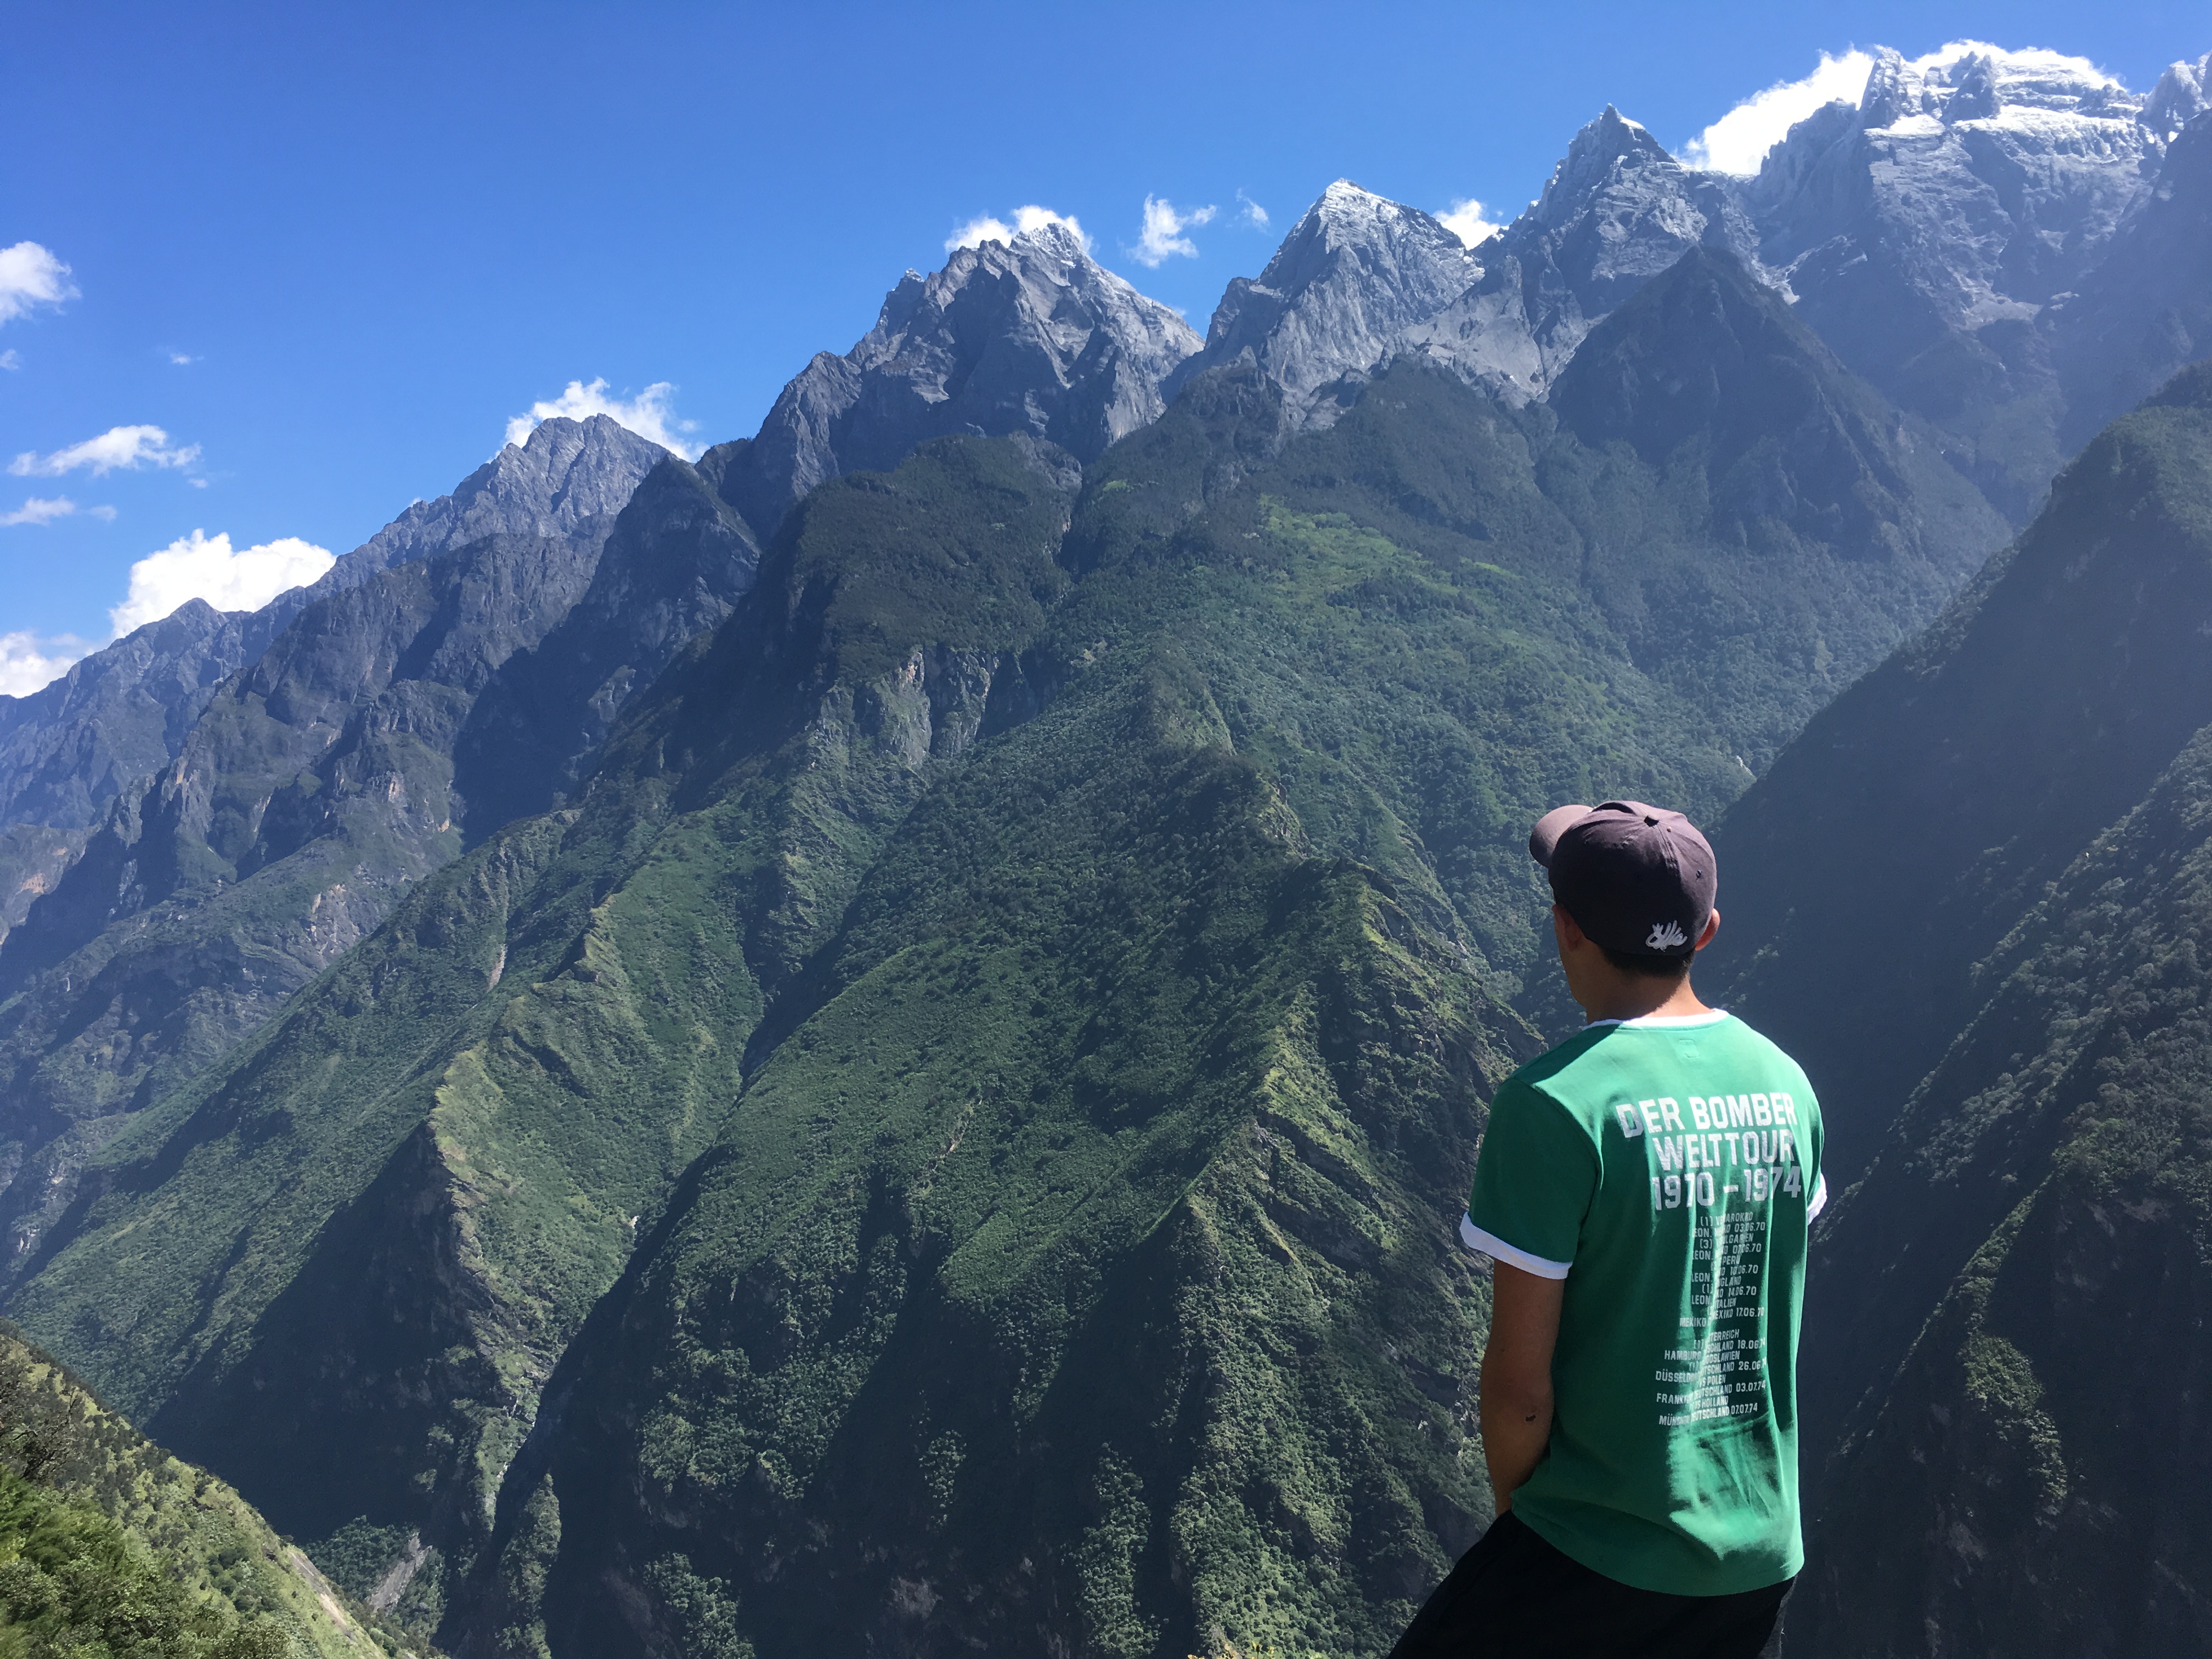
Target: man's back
{"points": [[1667, 1170], [1645, 1190]]}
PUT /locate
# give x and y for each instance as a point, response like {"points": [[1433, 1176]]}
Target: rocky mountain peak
{"points": [[126, 711], [1054, 239], [2183, 92], [1344, 212], [1031, 335], [1600, 155], [1925, 231], [1972, 81], [1355, 272], [1618, 210], [563, 475]]}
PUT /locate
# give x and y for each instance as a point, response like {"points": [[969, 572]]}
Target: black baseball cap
{"points": [[1635, 879]]}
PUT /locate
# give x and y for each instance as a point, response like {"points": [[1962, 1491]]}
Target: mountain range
{"points": [[870, 1040]]}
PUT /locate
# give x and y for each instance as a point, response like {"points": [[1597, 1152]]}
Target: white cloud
{"points": [[26, 662], [1163, 232], [987, 227], [131, 447], [10, 361], [35, 511], [1250, 212], [650, 414], [104, 513], [180, 358], [1739, 141], [1464, 219], [31, 276], [203, 566]]}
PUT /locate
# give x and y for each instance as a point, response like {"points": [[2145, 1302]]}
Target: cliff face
{"points": [[1353, 274], [68, 749]]}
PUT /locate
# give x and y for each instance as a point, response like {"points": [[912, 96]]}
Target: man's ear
{"points": [[1712, 927], [1568, 929]]}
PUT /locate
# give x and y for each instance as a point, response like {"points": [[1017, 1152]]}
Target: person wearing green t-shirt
{"points": [[1643, 1191]]}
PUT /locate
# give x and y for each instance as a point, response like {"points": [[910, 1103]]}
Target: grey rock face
{"points": [[1925, 231], [1976, 191], [1353, 276], [70, 748], [390, 722], [2182, 94], [1988, 237], [567, 474], [1617, 211], [67, 749], [316, 787], [2147, 309], [1030, 337], [675, 566]]}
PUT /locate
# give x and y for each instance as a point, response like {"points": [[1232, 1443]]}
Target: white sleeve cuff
{"points": [[1820, 1196], [1512, 1255]]}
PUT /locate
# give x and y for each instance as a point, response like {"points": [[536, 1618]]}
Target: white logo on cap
{"points": [[1666, 936]]}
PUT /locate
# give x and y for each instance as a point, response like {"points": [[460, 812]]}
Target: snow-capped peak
{"points": [[1345, 211], [1974, 81]]}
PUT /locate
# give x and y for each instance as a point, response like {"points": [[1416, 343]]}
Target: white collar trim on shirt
{"points": [[1668, 1022]]}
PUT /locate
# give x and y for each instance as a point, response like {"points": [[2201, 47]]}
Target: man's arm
{"points": [[1516, 1376]]}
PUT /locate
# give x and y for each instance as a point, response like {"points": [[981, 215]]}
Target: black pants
{"points": [[1515, 1596]]}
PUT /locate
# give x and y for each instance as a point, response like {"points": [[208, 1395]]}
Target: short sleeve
{"points": [[1533, 1184]]}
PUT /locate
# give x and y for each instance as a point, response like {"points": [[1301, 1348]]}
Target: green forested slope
{"points": [[955, 1134], [110, 1547], [1970, 769], [2030, 1476], [1973, 896], [343, 1268]]}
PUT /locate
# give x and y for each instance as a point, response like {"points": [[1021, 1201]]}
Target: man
{"points": [[1643, 1190]]}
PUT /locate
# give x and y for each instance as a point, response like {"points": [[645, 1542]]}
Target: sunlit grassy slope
{"points": [[110, 1547]]}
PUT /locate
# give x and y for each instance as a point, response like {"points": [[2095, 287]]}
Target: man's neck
{"points": [[1639, 996]]}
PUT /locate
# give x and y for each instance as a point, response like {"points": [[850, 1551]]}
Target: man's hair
{"points": [[1649, 966]]}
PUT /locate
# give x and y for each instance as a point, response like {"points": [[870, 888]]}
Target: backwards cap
{"points": [[1635, 879]]}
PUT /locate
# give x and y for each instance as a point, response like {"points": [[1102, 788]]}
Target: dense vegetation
{"points": [[1994, 965], [112, 1549], [952, 1134]]}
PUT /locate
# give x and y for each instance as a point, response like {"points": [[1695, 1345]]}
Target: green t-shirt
{"points": [[1667, 1170]]}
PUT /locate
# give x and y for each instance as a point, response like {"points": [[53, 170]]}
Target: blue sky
{"points": [[331, 250]]}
